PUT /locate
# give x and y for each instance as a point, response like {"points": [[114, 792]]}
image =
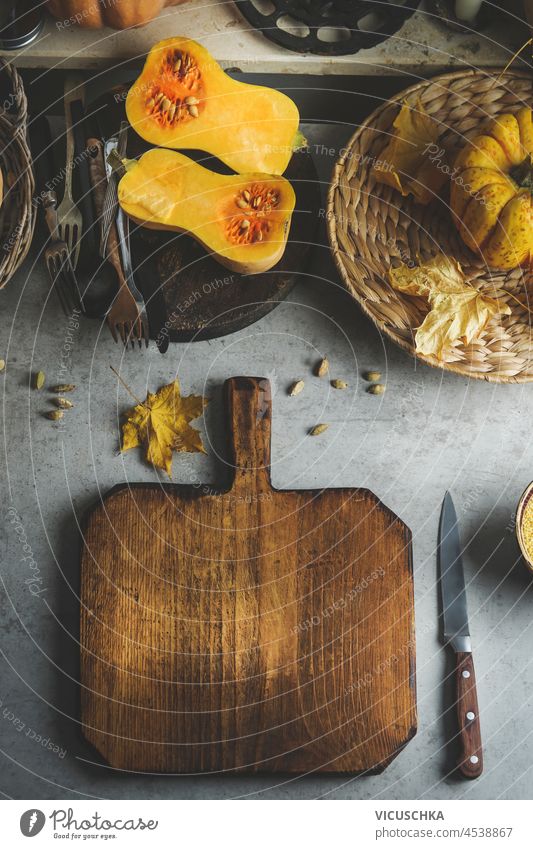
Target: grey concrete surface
{"points": [[430, 432]]}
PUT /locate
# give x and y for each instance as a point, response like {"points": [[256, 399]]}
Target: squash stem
{"points": [[523, 174], [119, 165]]}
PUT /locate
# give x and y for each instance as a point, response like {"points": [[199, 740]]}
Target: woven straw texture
{"points": [[17, 214], [372, 227]]}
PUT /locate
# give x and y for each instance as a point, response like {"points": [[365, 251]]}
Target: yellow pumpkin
{"points": [[119, 14], [491, 188]]}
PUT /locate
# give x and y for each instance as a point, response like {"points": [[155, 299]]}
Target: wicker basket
{"points": [[17, 214], [372, 227]]}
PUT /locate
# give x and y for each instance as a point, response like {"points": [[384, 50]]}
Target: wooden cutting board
{"points": [[247, 629]]}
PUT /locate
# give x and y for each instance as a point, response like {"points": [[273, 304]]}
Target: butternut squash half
{"points": [[184, 100], [243, 220]]}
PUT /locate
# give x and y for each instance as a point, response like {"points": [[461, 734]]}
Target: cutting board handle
{"points": [[249, 409]]}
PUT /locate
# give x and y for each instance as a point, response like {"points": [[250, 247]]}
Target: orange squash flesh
{"points": [[184, 100], [243, 220]]}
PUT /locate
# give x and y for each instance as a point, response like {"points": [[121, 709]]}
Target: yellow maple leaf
{"points": [[459, 312], [410, 162], [162, 424]]}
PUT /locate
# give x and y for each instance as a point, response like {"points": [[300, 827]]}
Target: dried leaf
{"points": [[161, 423], [459, 312], [412, 162]]}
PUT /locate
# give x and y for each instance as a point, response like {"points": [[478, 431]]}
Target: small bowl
{"points": [[522, 504]]}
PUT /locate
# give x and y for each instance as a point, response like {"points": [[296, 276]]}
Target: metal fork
{"points": [[69, 216], [123, 318], [58, 262]]}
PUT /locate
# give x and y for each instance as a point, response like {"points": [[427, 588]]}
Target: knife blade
{"points": [[456, 633]]}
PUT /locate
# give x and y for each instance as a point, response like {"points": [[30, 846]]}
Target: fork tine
{"points": [[145, 331], [120, 328], [112, 329], [56, 285], [59, 285], [76, 245]]}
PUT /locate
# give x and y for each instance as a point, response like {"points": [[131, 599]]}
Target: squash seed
{"points": [[246, 195], [172, 112], [55, 415], [318, 429], [177, 66], [165, 105], [159, 97], [257, 201], [372, 376], [244, 225], [257, 236], [339, 384], [296, 387], [191, 101], [151, 104], [63, 403], [241, 203], [63, 387], [38, 380], [322, 367], [376, 389], [193, 111]]}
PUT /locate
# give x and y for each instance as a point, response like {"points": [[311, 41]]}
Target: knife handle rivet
{"points": [[474, 759], [470, 715], [466, 673]]}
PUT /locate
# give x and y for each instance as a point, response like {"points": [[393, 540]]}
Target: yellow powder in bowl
{"points": [[527, 528]]}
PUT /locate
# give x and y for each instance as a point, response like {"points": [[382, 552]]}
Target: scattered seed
{"points": [[376, 389], [244, 225], [193, 110], [339, 384], [55, 415], [241, 203], [63, 387], [296, 387], [2, 365], [322, 367], [38, 380], [371, 376], [63, 403], [318, 429]]}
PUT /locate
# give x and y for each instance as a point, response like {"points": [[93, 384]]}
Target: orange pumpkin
{"points": [[119, 14]]}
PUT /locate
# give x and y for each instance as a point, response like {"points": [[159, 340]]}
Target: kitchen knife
{"points": [[457, 634]]}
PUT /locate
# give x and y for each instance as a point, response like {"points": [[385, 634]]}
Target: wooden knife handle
{"points": [[99, 184], [248, 407], [470, 762]]}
